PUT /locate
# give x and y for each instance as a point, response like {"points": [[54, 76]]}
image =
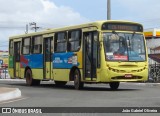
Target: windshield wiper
{"points": [[114, 32], [133, 35]]}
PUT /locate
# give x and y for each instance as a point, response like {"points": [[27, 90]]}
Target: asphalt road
{"points": [[93, 95]]}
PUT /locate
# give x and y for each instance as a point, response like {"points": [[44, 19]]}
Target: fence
{"points": [[154, 72], [4, 73]]}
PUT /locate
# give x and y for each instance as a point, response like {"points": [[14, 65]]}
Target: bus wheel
{"points": [[29, 79], [60, 83], [77, 80], [114, 85]]}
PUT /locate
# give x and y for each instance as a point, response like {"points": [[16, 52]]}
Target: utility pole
{"points": [[108, 10], [26, 29], [35, 26]]}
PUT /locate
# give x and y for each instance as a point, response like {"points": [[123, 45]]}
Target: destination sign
{"points": [[122, 27]]}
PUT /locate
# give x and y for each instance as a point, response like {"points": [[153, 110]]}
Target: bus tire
{"points": [[28, 76], [114, 85], [29, 79], [60, 83], [77, 80]]}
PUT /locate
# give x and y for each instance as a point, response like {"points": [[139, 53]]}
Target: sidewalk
{"points": [[9, 93]]}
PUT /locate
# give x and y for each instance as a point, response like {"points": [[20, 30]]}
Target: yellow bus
{"points": [[100, 52]]}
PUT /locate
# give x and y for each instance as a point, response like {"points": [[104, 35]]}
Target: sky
{"points": [[16, 14]]}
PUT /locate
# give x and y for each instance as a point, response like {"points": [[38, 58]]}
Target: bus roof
{"points": [[98, 24]]}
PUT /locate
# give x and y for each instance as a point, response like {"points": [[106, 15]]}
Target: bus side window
{"points": [[60, 42], [26, 45], [11, 47], [74, 42], [37, 44]]}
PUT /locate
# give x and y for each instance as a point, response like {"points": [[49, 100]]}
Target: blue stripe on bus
{"points": [[33, 61], [65, 60], [60, 60]]}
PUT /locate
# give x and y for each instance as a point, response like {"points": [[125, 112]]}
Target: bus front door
{"points": [[90, 53], [47, 70], [16, 59]]}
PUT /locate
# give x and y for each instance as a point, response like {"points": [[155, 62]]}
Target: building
{"points": [[153, 44], [3, 58]]}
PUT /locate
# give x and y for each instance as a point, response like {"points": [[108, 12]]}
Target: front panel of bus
{"points": [[125, 56]]}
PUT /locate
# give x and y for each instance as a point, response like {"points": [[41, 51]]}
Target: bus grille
{"points": [[125, 71], [123, 77]]}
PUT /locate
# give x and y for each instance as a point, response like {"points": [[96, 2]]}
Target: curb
{"points": [[10, 93], [141, 83], [12, 80]]}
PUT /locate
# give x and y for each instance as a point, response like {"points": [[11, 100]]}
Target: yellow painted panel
{"points": [[79, 55], [17, 40], [89, 28], [22, 72], [61, 74], [37, 73], [48, 70], [11, 72], [98, 75], [48, 35], [18, 71]]}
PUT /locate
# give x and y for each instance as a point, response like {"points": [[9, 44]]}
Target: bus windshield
{"points": [[124, 46]]}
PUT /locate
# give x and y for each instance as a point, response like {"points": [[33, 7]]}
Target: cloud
{"points": [[15, 14], [38, 10], [143, 11]]}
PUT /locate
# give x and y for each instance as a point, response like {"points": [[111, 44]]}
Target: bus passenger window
{"points": [[11, 47], [37, 44], [60, 42], [26, 46], [74, 40]]}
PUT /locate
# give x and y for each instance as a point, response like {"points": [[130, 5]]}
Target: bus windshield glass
{"points": [[124, 46]]}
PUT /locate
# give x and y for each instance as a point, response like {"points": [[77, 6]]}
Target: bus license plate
{"points": [[128, 76]]}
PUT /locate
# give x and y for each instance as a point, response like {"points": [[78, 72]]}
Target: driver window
{"points": [[114, 43]]}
